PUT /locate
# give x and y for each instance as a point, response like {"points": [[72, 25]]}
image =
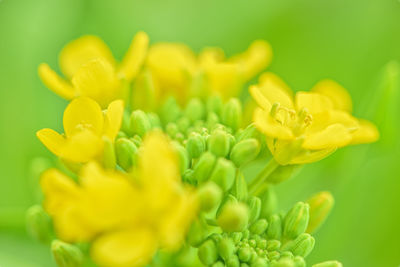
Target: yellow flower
{"points": [[85, 126], [126, 217], [307, 126], [91, 70]]}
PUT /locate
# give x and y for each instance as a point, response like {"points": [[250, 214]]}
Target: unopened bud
{"points": [[245, 151], [139, 123], [223, 174], [204, 167], [233, 261], [195, 145], [259, 262], [209, 196], [226, 248], [328, 264], [232, 114], [240, 187], [273, 245], [283, 263], [296, 220], [170, 111], [244, 254], [274, 230], [212, 120], [66, 255], [274, 255], [269, 202], [218, 264], [233, 217], [259, 227], [197, 233], [301, 246], [38, 224], [299, 261], [195, 110], [154, 120], [183, 124], [214, 104], [208, 252], [182, 156], [126, 152], [320, 206], [254, 209], [218, 143]]}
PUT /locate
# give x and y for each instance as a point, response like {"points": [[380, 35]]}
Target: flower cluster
{"points": [[154, 149]]}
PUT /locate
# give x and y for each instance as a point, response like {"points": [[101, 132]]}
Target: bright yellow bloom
{"points": [[126, 217], [174, 68], [91, 70], [307, 126], [85, 126]]}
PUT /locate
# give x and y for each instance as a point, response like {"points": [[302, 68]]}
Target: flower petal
{"points": [[82, 147], [309, 156], [135, 56], [55, 83], [261, 100], [266, 124], [52, 140], [275, 90], [339, 96], [83, 113], [313, 102], [366, 133], [81, 51], [333, 136], [125, 248], [113, 119]]}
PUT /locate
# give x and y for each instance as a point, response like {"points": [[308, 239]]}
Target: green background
{"points": [[350, 41]]}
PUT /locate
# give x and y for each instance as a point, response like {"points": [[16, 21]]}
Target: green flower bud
{"points": [[244, 254], [296, 220], [126, 121], [254, 209], [209, 196], [274, 230], [223, 174], [139, 123], [282, 263], [204, 167], [121, 134], [195, 145], [183, 124], [195, 110], [227, 199], [301, 246], [218, 143], [244, 265], [233, 261], [245, 151], [233, 217], [283, 173], [208, 252], [197, 233], [154, 120], [299, 261], [262, 244], [214, 104], [259, 262], [259, 227], [182, 156], [328, 264], [287, 254], [218, 264], [66, 255], [170, 111], [320, 206], [137, 140], [239, 189], [212, 121], [126, 152], [226, 248], [172, 129], [273, 245], [274, 255], [236, 237], [39, 224], [269, 202], [109, 158], [250, 132], [232, 114], [188, 177]]}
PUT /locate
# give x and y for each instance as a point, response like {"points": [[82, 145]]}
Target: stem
{"points": [[262, 177]]}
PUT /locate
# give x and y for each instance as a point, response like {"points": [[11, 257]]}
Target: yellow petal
{"points": [[270, 127], [135, 56], [125, 248], [323, 119], [261, 100], [82, 147], [113, 119], [333, 136], [55, 83], [312, 156], [52, 140], [83, 113], [275, 90], [97, 79], [223, 78], [366, 133], [313, 102], [81, 51], [339, 96]]}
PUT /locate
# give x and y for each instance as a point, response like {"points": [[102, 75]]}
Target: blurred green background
{"points": [[349, 41]]}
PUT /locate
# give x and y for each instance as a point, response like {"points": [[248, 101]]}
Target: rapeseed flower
{"points": [[127, 217], [307, 126], [86, 127], [91, 70]]}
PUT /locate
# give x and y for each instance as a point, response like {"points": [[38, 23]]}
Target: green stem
{"points": [[262, 177]]}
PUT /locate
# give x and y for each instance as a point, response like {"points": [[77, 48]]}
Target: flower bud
{"points": [[296, 220], [226, 248], [210, 196], [320, 206], [259, 227], [154, 120], [259, 262], [195, 145], [170, 111], [183, 124], [218, 143], [232, 114], [182, 156], [283, 263], [66, 255], [274, 230], [233, 217], [240, 187], [249, 132], [139, 123], [212, 120], [299, 261], [204, 167], [38, 224], [328, 264], [223, 174], [109, 158], [236, 237], [197, 233], [301, 246], [214, 104], [172, 129], [245, 151], [227, 199], [208, 252], [254, 209], [273, 245], [126, 152], [233, 261], [269, 203], [244, 254], [218, 264], [195, 110]]}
